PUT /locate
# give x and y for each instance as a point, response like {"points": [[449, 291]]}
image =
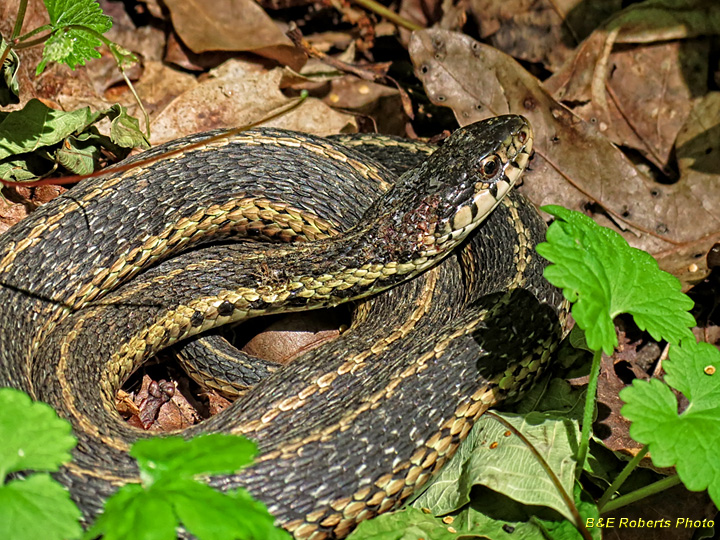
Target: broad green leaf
{"points": [[495, 516], [77, 156], [409, 524], [38, 508], [33, 139], [170, 491], [136, 513], [689, 440], [490, 515], [605, 277], [32, 435], [18, 170], [493, 457], [74, 46], [37, 125], [557, 397], [565, 530], [223, 516], [179, 458]]}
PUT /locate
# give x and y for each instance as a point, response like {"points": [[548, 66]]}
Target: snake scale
{"points": [[101, 278]]}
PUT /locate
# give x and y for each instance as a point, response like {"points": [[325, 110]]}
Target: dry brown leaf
{"points": [[575, 164], [424, 13], [292, 335], [381, 103], [584, 77], [641, 95], [545, 31], [147, 41], [239, 93], [232, 25], [650, 92]]}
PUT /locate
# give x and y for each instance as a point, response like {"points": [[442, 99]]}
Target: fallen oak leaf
{"points": [[575, 164], [641, 94], [254, 93], [540, 31], [232, 25]]}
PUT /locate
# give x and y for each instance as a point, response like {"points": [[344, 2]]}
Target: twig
{"points": [[373, 73], [387, 14]]}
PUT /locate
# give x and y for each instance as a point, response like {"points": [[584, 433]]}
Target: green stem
{"points": [[33, 42], [569, 502], [138, 100], [652, 489], [16, 30], [30, 34], [630, 467], [588, 412], [118, 61], [19, 20], [391, 16]]}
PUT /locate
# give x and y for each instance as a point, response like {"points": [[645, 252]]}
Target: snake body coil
{"points": [[348, 430]]}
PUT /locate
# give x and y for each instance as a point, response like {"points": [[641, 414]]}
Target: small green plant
{"points": [[34, 439], [171, 491], [603, 276], [36, 139], [511, 477]]}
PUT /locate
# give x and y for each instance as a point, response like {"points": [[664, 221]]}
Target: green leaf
{"points": [[557, 397], [565, 530], [689, 440], [27, 167], [9, 90], [37, 137], [124, 57], [605, 277], [494, 458], [223, 516], [76, 25], [38, 508], [32, 435], [170, 494], [77, 156], [134, 512], [410, 524], [489, 515], [125, 130], [175, 457], [37, 125]]}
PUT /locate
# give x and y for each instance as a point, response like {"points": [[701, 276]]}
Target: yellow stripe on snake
{"points": [[118, 268]]}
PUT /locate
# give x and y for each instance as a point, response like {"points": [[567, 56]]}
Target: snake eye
{"points": [[490, 166]]}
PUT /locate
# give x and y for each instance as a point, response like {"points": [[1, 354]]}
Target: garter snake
{"points": [[350, 429]]}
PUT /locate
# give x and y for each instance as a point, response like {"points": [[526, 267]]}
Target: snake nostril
{"points": [[522, 136]]}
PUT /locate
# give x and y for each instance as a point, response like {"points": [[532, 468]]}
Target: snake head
{"points": [[483, 162], [435, 206]]}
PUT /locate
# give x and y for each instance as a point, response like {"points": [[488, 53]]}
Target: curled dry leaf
{"points": [[641, 95], [545, 31], [575, 165], [232, 25], [239, 93]]}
